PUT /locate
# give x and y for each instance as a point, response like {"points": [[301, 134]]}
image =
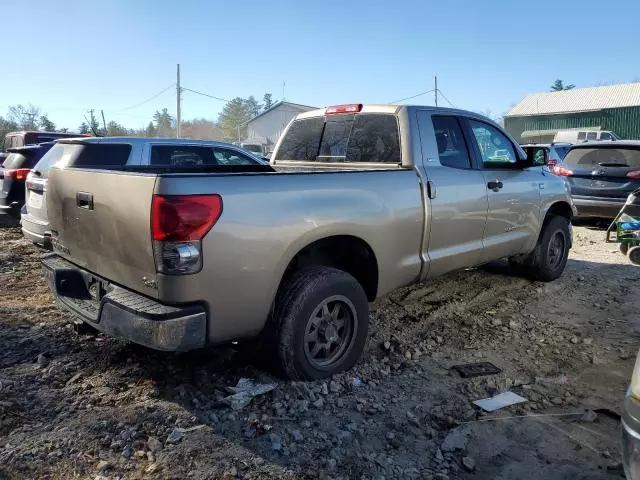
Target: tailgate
{"points": [[100, 220]]}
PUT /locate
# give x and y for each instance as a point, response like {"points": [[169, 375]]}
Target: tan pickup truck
{"points": [[358, 200]]}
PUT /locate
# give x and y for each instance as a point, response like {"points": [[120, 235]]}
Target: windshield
{"points": [[588, 157], [365, 137], [560, 151], [253, 148]]}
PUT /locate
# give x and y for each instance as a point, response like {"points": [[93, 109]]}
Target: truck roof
{"points": [[142, 140], [607, 144], [394, 109]]}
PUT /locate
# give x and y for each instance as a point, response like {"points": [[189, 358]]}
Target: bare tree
{"points": [[26, 117]]}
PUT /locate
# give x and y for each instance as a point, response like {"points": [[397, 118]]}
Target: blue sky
{"points": [[487, 54]]}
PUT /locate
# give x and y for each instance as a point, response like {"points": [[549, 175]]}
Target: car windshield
{"points": [[560, 151], [622, 157]]}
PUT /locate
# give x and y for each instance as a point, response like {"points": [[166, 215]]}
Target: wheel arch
{"points": [[348, 253]]}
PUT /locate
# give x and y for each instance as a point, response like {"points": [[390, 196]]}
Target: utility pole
{"points": [[178, 92], [435, 90], [103, 122]]}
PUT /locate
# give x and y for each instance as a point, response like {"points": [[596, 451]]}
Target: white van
{"points": [[578, 136]]}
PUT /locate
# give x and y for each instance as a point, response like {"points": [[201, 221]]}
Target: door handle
{"points": [[495, 186], [431, 189], [84, 200]]}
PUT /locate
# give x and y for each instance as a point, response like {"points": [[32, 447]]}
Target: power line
{"points": [[145, 101], [205, 94], [414, 96], [444, 96]]}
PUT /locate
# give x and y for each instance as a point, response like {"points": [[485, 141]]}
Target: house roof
{"points": [[578, 100], [297, 106]]}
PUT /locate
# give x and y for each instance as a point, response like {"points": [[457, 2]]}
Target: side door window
{"points": [[606, 136], [582, 135], [539, 156], [181, 156], [496, 150], [592, 135], [452, 148], [225, 156]]}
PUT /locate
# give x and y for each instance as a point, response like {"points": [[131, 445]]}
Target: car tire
{"points": [[319, 323], [624, 248], [549, 258], [634, 255]]}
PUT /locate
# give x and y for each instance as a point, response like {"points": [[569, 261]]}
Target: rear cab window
{"points": [[184, 156], [342, 138]]}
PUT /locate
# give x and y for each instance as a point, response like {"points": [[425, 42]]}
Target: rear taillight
{"points": [[561, 171], [17, 174], [178, 223], [635, 175]]}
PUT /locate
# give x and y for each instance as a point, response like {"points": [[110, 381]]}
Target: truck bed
{"points": [[267, 219]]}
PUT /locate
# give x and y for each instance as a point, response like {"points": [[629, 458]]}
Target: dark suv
{"points": [[601, 175], [13, 174]]}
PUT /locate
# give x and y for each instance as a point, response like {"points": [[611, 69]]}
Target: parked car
{"points": [[253, 148], [365, 199], [113, 152], [578, 136], [13, 174], [601, 176], [545, 153], [631, 426], [23, 138]]}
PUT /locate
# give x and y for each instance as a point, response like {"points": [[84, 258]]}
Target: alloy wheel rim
{"points": [[555, 251], [330, 331]]}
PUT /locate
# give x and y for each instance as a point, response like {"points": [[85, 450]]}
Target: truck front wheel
{"points": [[548, 260], [320, 323]]}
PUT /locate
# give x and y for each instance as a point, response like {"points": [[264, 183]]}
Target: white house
{"points": [[266, 128]]}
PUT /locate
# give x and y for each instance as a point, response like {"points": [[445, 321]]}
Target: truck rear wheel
{"points": [[320, 322], [548, 260]]}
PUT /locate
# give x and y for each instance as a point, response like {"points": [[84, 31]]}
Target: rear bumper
{"points": [[126, 314], [597, 207], [35, 230]]}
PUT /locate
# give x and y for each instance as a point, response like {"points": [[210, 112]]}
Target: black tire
{"points": [[634, 255], [548, 261], [624, 248], [293, 320]]}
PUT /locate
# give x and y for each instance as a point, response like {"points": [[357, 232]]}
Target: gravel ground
{"points": [[76, 405]]}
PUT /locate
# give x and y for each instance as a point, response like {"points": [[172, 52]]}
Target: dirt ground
{"points": [[73, 405]]}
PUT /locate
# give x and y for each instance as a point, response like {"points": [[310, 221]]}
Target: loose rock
{"points": [[154, 444], [276, 442], [42, 361], [175, 436], [469, 463]]}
